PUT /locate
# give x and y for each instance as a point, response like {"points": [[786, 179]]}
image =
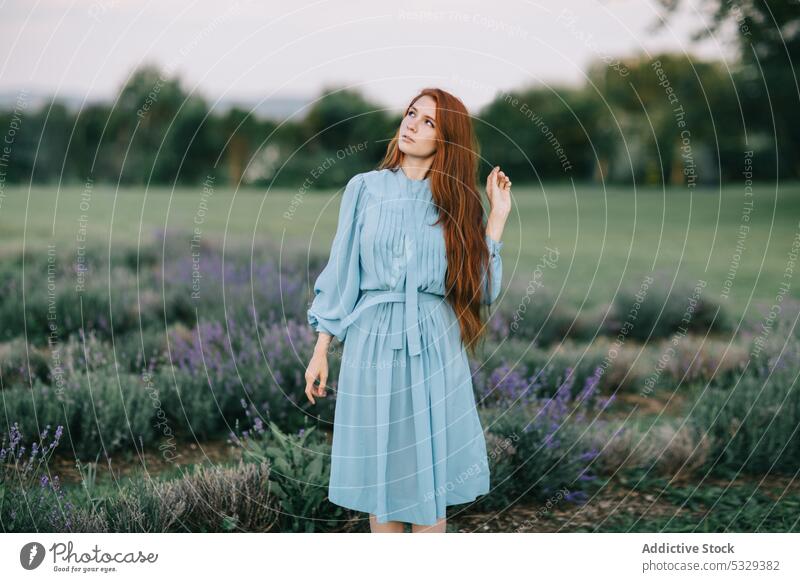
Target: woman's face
{"points": [[418, 129]]}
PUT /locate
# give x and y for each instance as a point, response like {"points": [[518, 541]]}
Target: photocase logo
{"points": [[31, 555]]}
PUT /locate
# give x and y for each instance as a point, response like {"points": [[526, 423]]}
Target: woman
{"points": [[411, 266]]}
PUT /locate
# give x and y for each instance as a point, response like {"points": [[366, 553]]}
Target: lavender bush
{"points": [[30, 498], [264, 365], [554, 440], [660, 315], [754, 421], [233, 287], [508, 377], [147, 287], [20, 364], [103, 410]]}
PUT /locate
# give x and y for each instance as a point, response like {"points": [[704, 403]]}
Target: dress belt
{"points": [[411, 296]]}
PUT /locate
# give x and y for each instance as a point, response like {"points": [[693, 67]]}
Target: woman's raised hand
{"points": [[498, 191]]}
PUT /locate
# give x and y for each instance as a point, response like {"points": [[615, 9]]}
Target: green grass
{"points": [[604, 237], [743, 506]]}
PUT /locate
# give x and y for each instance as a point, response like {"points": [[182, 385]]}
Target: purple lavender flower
{"points": [[578, 497]]}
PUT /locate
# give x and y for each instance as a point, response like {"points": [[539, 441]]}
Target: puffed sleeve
{"points": [[337, 288], [491, 288]]}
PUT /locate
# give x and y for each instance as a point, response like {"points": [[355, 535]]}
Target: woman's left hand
{"points": [[498, 190]]}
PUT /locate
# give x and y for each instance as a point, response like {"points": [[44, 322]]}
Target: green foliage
{"points": [[102, 411], [542, 319], [220, 498], [30, 499], [543, 132], [20, 363], [534, 454], [619, 126], [190, 402], [768, 38], [708, 507], [754, 421], [300, 474], [667, 309]]}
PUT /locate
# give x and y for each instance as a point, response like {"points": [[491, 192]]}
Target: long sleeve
{"points": [[491, 288], [337, 288]]}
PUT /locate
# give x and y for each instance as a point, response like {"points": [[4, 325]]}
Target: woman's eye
{"points": [[428, 121]]}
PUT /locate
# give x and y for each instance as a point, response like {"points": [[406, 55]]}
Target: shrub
{"points": [[670, 448], [138, 288], [300, 475], [130, 353], [502, 381], [754, 423], [697, 359], [21, 364], [538, 318], [190, 405], [30, 500], [123, 304], [101, 410], [661, 312], [205, 499], [553, 447], [238, 286], [260, 364]]}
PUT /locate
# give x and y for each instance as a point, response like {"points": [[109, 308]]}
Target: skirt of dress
{"points": [[407, 438]]}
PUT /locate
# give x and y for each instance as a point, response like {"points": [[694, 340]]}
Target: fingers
{"points": [[503, 181], [492, 180], [498, 177], [310, 387], [312, 390]]}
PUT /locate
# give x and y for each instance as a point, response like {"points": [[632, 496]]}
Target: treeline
{"points": [[665, 118]]}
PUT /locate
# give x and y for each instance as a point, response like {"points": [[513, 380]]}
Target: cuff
{"points": [[319, 325], [494, 246]]}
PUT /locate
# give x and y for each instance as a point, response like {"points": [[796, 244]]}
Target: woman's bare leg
{"points": [[439, 527], [388, 527]]}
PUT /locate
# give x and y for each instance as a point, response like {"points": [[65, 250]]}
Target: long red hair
{"points": [[453, 178]]}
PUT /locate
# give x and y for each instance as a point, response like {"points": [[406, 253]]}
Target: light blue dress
{"points": [[407, 439]]}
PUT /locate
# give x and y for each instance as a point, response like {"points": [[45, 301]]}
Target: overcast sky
{"points": [[249, 49]]}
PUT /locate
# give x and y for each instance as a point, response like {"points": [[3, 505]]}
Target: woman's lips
{"points": [[407, 138]]}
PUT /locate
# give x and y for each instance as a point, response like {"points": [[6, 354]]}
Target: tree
{"points": [[768, 38]]}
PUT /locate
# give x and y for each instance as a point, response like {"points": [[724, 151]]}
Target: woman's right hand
{"points": [[317, 368]]}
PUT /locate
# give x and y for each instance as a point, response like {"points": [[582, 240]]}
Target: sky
{"points": [[389, 50]]}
